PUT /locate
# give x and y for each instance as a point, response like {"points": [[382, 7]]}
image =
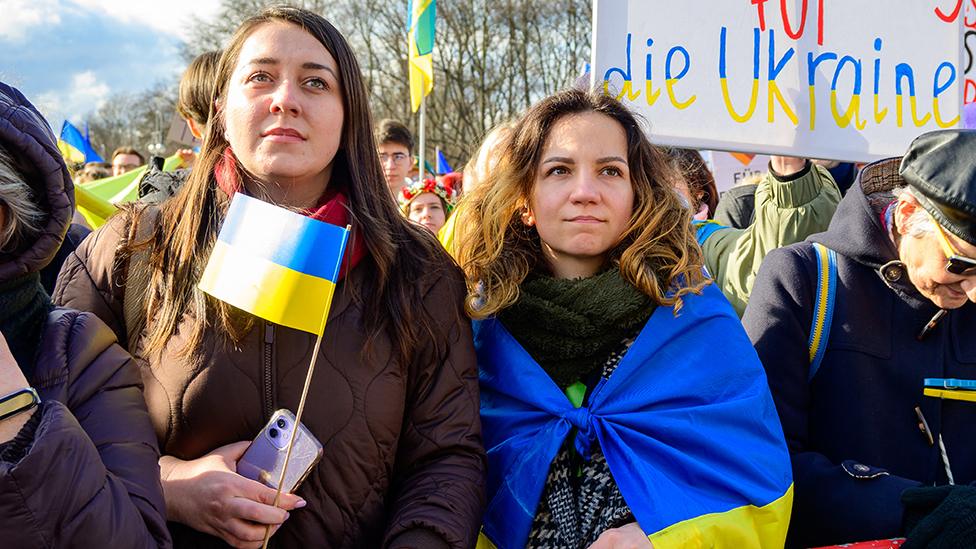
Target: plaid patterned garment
{"points": [[576, 508]]}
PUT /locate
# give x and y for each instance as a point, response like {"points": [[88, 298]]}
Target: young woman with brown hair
{"points": [[607, 420], [394, 398]]}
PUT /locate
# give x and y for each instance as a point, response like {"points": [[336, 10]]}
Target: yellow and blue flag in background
{"points": [[442, 166], [74, 147], [276, 264], [97, 200], [420, 38]]}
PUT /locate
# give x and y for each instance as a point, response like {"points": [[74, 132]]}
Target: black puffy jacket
{"points": [[83, 471]]}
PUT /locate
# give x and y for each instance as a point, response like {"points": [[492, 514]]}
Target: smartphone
{"points": [[265, 457]]}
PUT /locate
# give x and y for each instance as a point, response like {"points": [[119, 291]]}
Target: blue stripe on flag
{"points": [[283, 237]]}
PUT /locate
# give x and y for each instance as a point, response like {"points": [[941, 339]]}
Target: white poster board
{"points": [[733, 168], [855, 80], [179, 132], [968, 16]]}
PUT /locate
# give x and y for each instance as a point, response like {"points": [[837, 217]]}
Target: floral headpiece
{"points": [[417, 188]]}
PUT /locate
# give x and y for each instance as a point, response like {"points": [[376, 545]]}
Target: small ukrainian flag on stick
{"points": [[280, 266], [276, 264]]}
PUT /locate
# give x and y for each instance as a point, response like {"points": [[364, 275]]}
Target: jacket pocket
{"points": [[863, 320]]}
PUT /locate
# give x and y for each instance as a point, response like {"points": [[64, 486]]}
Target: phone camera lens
{"points": [[273, 432], [281, 424]]}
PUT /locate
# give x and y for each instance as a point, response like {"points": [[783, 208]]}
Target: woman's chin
{"points": [[283, 172]]}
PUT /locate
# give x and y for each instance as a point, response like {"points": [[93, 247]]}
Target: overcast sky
{"points": [[69, 56]]}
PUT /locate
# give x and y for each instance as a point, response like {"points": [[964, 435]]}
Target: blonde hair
{"points": [[657, 253], [196, 87], [485, 157]]}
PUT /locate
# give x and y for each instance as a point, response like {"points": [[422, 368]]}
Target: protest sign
{"points": [[731, 169], [834, 79], [179, 132], [968, 16]]}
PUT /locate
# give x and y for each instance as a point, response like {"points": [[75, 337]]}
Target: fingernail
{"points": [[301, 503], [287, 514]]}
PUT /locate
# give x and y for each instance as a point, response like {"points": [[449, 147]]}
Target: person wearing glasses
{"points": [[394, 143], [848, 355]]}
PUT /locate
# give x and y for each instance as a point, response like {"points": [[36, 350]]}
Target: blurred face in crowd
{"points": [[428, 210], [582, 199], [283, 112], [123, 163], [925, 257], [396, 161]]}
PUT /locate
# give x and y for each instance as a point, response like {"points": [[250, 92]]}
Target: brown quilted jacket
{"points": [[403, 464]]}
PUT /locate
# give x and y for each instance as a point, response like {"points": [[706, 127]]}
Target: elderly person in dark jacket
{"points": [[864, 438], [79, 469]]}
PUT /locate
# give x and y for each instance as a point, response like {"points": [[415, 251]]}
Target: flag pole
{"points": [[301, 402], [423, 142]]}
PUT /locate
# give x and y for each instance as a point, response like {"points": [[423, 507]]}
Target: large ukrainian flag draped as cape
{"points": [[686, 423]]}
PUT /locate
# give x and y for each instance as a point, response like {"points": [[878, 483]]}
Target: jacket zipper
{"points": [[268, 370]]}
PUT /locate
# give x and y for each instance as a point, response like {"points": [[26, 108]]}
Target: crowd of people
{"points": [[557, 347]]}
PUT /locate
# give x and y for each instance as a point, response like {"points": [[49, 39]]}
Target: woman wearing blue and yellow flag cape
{"points": [[622, 404], [393, 398]]}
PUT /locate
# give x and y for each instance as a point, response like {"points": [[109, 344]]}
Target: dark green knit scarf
{"points": [[570, 327], [23, 310]]}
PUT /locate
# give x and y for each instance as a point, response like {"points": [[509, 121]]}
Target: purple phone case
{"points": [[265, 457]]}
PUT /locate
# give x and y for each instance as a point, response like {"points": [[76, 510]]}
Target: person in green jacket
{"points": [[796, 199]]}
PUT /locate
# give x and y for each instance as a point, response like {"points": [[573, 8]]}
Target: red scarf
{"points": [[332, 208]]}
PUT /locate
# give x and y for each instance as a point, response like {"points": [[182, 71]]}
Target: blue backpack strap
{"points": [[705, 229], [823, 311]]}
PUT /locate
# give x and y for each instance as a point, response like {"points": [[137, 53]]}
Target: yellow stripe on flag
{"points": [[421, 77], [267, 290], [70, 154], [94, 209], [420, 41], [484, 542], [746, 526]]}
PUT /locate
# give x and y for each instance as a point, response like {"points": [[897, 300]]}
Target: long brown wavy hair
{"points": [[399, 253], [657, 253]]}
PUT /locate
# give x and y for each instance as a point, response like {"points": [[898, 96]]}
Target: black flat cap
{"points": [[941, 167]]}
